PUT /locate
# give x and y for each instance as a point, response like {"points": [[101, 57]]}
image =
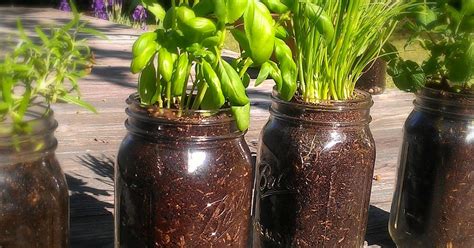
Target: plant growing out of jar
{"points": [[316, 155], [34, 209], [433, 202], [184, 174]]}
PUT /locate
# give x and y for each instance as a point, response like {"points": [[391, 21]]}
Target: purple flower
{"points": [[64, 6], [100, 10], [139, 14]]}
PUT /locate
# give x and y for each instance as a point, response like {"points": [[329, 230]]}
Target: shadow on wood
{"points": [[377, 231], [91, 218]]}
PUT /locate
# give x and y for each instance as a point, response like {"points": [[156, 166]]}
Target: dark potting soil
{"points": [[434, 201], [173, 191], [313, 181], [34, 205]]}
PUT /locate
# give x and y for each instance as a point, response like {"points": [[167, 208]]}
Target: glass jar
{"points": [[183, 179], [373, 80], [314, 174], [34, 198], [433, 205]]}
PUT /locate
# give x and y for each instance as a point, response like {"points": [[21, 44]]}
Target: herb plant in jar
{"points": [[433, 204], [184, 173], [34, 199], [316, 154]]}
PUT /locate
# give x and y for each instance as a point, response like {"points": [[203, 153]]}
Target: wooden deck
{"points": [[88, 143]]}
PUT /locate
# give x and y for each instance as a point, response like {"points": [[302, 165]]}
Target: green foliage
{"points": [[191, 34], [46, 71], [444, 29], [334, 41]]}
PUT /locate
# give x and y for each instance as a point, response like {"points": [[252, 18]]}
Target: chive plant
{"points": [[335, 41]]}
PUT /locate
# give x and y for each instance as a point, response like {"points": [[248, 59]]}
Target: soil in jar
{"points": [[314, 184], [183, 194], [34, 205]]}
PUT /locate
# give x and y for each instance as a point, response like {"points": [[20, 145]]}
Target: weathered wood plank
{"points": [[88, 143]]}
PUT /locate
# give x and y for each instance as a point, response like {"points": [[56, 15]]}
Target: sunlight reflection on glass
{"points": [[470, 136], [335, 138], [195, 160]]}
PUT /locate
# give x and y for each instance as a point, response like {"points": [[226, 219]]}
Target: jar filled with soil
{"points": [[373, 80], [184, 179], [314, 174], [34, 199], [433, 205]]}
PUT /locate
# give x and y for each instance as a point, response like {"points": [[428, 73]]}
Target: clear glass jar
{"points": [[34, 198], [183, 179], [433, 204], [314, 174], [373, 80]]}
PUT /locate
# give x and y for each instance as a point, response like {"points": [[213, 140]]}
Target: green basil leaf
{"points": [[242, 116]]}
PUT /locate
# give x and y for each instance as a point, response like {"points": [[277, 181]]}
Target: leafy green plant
{"points": [[46, 71], [445, 30], [191, 36], [333, 42]]}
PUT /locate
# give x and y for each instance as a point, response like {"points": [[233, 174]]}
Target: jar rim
{"points": [[455, 105], [360, 103], [176, 116], [32, 143], [444, 96], [39, 117]]}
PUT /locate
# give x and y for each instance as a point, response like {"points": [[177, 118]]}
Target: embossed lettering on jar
{"points": [[314, 174], [34, 199], [183, 180], [433, 204]]}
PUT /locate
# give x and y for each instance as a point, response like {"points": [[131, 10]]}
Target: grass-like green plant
{"points": [[331, 58], [43, 70], [334, 41], [445, 29]]}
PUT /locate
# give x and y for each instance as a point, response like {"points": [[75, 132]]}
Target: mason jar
{"points": [[433, 204], [183, 179], [34, 198], [314, 174]]}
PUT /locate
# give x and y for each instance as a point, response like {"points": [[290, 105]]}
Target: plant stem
{"points": [[202, 88], [168, 94], [185, 88], [247, 64]]}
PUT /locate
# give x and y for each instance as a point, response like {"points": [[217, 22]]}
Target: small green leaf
{"points": [[246, 80], [231, 84], [94, 32], [321, 19], [264, 73], [155, 8], [408, 76], [240, 37], [242, 116], [74, 100], [214, 98], [4, 107], [275, 73], [44, 38], [147, 85]]}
